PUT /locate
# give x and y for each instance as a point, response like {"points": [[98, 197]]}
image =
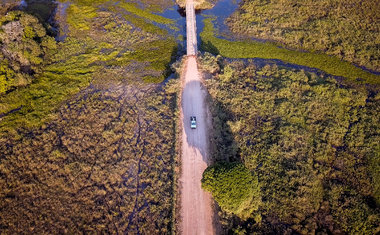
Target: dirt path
{"points": [[196, 211]]}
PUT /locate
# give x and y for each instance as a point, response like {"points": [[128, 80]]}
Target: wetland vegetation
{"points": [[348, 30], [87, 130], [104, 164], [267, 50], [311, 141], [88, 127], [302, 117], [95, 46]]}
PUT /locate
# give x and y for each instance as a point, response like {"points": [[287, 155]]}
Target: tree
{"points": [[234, 187]]}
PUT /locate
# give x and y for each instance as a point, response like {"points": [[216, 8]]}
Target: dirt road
{"points": [[196, 211]]}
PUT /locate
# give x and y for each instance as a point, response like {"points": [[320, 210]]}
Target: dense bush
{"points": [[347, 29], [209, 63], [312, 141], [24, 49], [234, 188]]}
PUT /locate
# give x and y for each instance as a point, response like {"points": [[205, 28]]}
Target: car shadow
{"points": [[212, 127]]}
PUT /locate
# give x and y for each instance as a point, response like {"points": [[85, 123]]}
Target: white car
{"points": [[193, 122]]}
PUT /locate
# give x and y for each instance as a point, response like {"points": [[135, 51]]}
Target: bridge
{"points": [[191, 29]]}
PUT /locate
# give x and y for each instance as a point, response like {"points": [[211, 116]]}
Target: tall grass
{"points": [[131, 7], [93, 45], [253, 49]]}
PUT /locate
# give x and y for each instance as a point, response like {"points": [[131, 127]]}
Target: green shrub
{"points": [[234, 188], [25, 49]]}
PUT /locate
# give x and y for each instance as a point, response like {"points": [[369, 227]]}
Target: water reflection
{"points": [[222, 10], [23, 3]]}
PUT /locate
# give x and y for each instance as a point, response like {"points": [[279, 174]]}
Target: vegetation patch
{"points": [[104, 164], [130, 7], [312, 142], [80, 16], [233, 186], [253, 49], [346, 29], [199, 4], [60, 70]]}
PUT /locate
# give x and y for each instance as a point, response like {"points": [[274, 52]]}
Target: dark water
{"points": [[63, 30], [174, 13], [23, 3], [222, 10]]}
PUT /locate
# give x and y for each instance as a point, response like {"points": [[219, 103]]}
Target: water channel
{"points": [[222, 10]]}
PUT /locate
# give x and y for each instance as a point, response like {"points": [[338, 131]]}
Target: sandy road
{"points": [[196, 211]]}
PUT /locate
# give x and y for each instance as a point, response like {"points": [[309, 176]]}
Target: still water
{"points": [[222, 10]]}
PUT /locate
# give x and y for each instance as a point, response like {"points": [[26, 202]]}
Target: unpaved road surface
{"points": [[196, 211]]}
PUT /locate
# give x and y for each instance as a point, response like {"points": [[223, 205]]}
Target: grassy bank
{"points": [[346, 29], [199, 4], [252, 49]]}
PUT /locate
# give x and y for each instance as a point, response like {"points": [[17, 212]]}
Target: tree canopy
{"points": [[233, 186]]}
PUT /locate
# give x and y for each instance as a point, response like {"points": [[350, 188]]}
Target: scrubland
{"points": [[311, 141], [88, 142]]}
